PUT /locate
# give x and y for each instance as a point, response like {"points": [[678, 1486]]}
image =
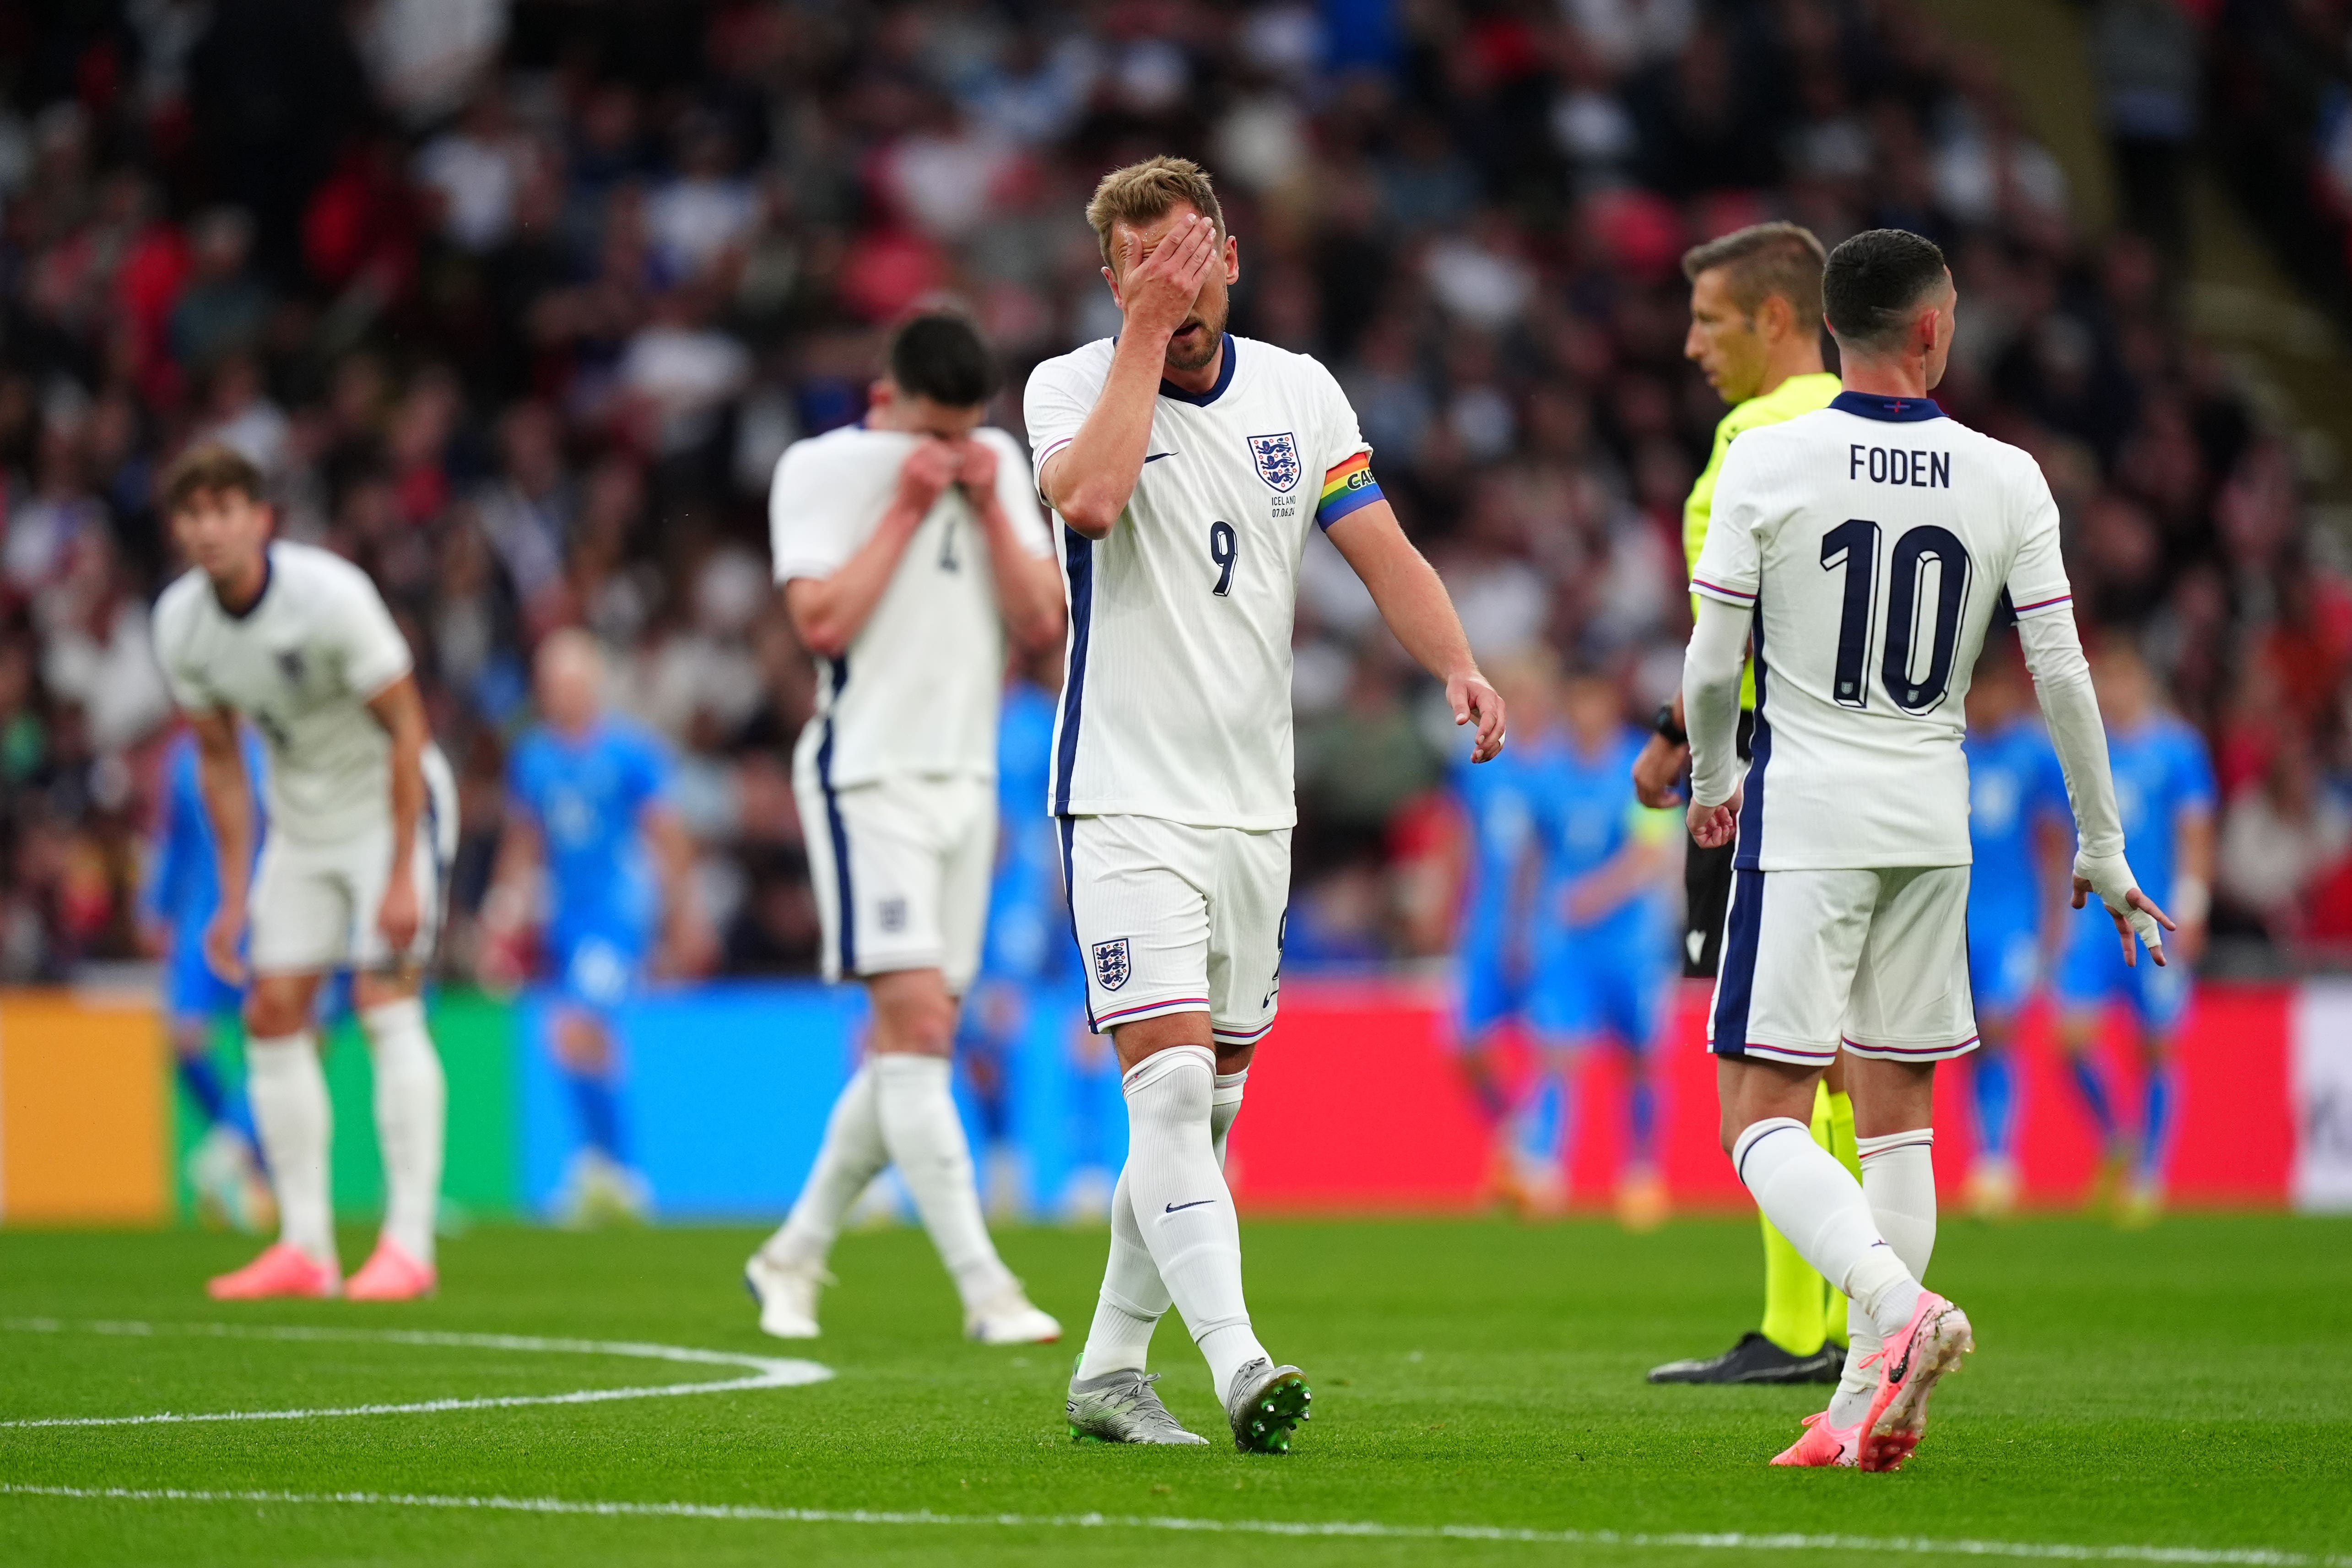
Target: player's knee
{"points": [[270, 1013]]}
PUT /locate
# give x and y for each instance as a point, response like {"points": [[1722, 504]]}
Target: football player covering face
{"points": [[1174, 759]]}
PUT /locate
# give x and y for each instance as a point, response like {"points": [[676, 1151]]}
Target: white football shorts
{"points": [[1874, 961], [900, 868], [1173, 918], [314, 905]]}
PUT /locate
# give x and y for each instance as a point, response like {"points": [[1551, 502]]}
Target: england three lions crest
{"points": [[1277, 460], [1114, 962]]}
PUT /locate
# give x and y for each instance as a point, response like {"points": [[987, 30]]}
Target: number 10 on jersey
{"points": [[1853, 547]]}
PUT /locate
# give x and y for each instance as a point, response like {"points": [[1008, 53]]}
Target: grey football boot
{"points": [[1266, 1402], [1119, 1406]]}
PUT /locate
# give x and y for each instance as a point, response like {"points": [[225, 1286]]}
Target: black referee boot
{"points": [[1755, 1359]]}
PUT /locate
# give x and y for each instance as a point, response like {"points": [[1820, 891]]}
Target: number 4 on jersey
{"points": [[1852, 547]]}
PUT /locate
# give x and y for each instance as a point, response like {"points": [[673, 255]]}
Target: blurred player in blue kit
{"points": [[588, 805], [181, 892], [2165, 791], [1603, 955], [2017, 821], [1565, 928], [1048, 1087], [1499, 857]]}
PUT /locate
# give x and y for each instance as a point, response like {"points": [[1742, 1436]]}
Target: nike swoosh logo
{"points": [[1196, 1203], [1155, 457]]}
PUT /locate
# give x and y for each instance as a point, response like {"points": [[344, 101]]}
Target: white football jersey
{"points": [[917, 690], [302, 664], [1874, 537], [1176, 700]]}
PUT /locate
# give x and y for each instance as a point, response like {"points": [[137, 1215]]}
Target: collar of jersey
{"points": [[1203, 399], [1894, 410], [269, 576]]}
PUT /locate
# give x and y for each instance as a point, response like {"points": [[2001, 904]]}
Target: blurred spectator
{"points": [[517, 310]]}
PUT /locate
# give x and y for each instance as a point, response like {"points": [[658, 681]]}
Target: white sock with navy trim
{"points": [[1898, 1177], [851, 1156], [1133, 1298], [290, 1110], [412, 1118], [1816, 1203], [1182, 1206], [925, 1136]]}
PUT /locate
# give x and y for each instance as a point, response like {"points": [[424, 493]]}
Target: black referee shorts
{"points": [[1707, 891]]}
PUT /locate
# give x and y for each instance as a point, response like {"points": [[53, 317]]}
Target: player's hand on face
{"points": [[223, 935], [1658, 771], [2139, 918], [1156, 292], [1476, 702], [400, 914], [929, 468], [977, 473], [1712, 827]]}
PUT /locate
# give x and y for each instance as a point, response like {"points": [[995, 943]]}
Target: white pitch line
{"points": [[1727, 1540], [767, 1371]]}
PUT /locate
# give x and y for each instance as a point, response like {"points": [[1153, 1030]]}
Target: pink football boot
{"points": [[282, 1271], [1824, 1445], [391, 1275], [1909, 1366]]}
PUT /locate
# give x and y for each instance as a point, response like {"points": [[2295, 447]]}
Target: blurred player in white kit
{"points": [[1189, 467], [1862, 551], [908, 548], [362, 825]]}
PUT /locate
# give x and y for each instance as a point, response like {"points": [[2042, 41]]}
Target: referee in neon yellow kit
{"points": [[1756, 332]]}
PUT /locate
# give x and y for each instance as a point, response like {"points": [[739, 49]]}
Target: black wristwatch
{"points": [[1673, 734]]}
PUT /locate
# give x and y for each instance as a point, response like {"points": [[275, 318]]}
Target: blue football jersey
{"points": [[1587, 811], [1028, 925], [589, 799], [2015, 784], [184, 872], [2162, 772], [1500, 799]]}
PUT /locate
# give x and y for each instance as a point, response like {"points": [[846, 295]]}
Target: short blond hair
{"points": [[1142, 192], [1764, 259]]}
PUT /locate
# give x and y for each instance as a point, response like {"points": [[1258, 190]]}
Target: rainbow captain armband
{"points": [[1346, 487]]}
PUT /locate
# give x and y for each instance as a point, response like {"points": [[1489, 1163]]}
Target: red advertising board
{"points": [[1355, 1101]]}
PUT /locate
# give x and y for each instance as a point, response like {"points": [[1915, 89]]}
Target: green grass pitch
{"points": [[2190, 1388]]}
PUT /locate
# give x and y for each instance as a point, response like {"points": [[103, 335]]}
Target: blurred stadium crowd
{"points": [[517, 305]]}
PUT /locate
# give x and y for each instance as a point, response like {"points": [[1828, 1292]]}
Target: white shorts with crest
{"points": [[1175, 919]]}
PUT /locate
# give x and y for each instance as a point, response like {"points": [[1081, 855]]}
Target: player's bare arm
{"points": [[689, 946], [829, 612], [506, 906], [2192, 885], [1166, 268], [229, 804], [1414, 603], [400, 710], [1631, 872], [1658, 769], [1028, 588]]}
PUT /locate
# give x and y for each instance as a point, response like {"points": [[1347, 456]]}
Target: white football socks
{"points": [[1133, 1298], [1182, 1207], [1898, 1178], [1225, 1104], [288, 1091], [1132, 1301], [1813, 1200], [851, 1156], [412, 1110], [925, 1138]]}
